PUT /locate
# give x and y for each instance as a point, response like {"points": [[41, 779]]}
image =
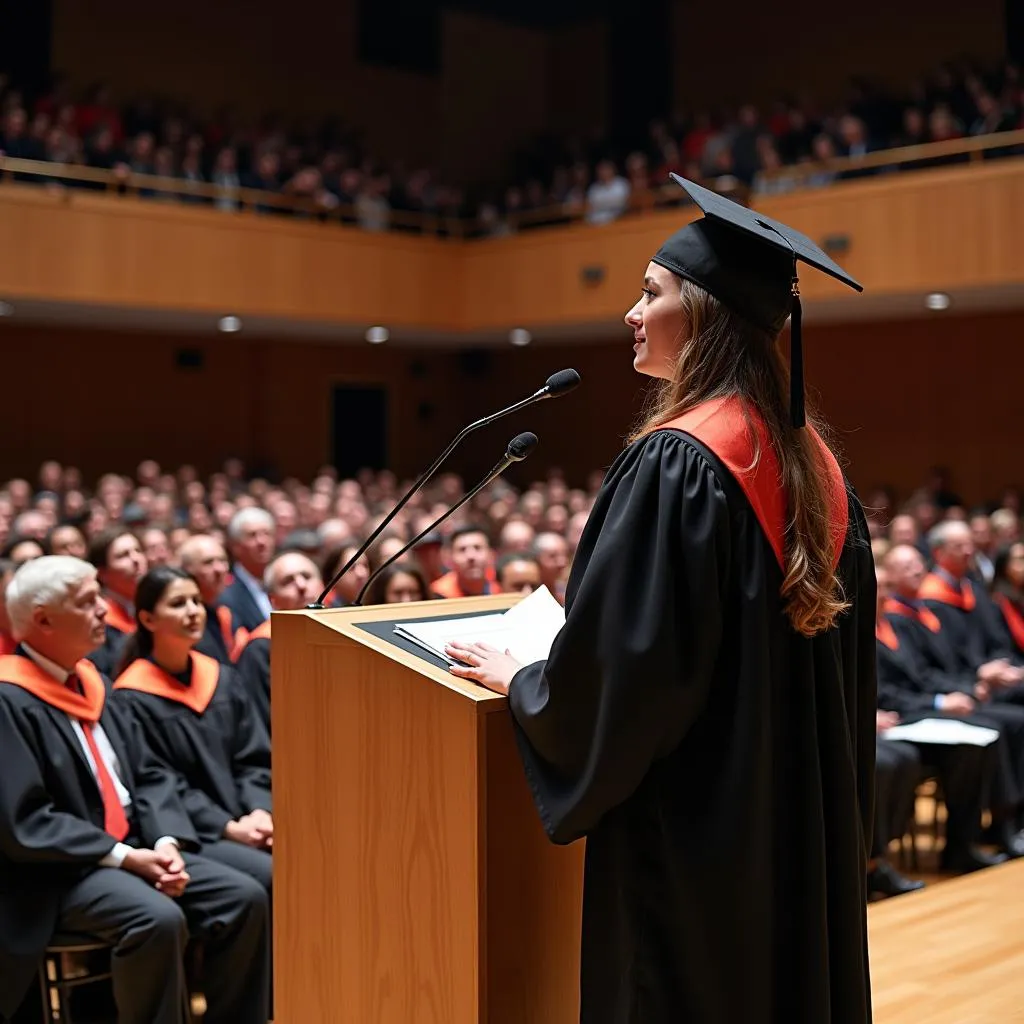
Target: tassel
{"points": [[796, 361]]}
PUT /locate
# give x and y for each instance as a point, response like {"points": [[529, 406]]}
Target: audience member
{"points": [[518, 574], [292, 581], [203, 557], [398, 583], [198, 719], [965, 771], [116, 858], [251, 543], [120, 564], [472, 560]]}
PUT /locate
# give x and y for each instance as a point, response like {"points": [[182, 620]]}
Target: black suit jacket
{"points": [[51, 821], [245, 611]]}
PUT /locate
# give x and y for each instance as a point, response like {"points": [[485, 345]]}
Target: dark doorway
{"points": [[359, 428]]}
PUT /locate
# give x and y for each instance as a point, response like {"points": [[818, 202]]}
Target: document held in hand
{"points": [[527, 630]]}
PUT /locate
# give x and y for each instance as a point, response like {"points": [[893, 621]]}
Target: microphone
{"points": [[518, 449], [557, 384]]}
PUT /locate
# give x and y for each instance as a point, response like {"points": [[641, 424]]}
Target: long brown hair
{"points": [[726, 356]]}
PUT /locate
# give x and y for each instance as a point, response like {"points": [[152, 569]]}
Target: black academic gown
{"points": [[223, 754], [212, 642], [107, 658], [970, 775], [927, 665], [254, 668], [719, 765], [976, 636], [51, 820]]}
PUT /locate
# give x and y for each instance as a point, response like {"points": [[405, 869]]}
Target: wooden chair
{"points": [[56, 986]]}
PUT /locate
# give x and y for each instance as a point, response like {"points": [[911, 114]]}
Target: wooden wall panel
{"points": [[908, 234], [147, 254], [902, 396]]}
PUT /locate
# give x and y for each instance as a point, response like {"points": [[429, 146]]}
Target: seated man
{"points": [[251, 540], [897, 772], [292, 581], [472, 561], [518, 574], [203, 557], [120, 564], [93, 838], [965, 771], [552, 553], [969, 617]]}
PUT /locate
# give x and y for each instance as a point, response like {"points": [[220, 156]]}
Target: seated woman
{"points": [[197, 718], [1008, 591], [346, 589], [398, 583]]}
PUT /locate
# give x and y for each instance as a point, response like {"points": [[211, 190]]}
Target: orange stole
{"points": [[1014, 618], [925, 616], [721, 426], [86, 706], [234, 639], [118, 617], [145, 677], [886, 635], [935, 588], [261, 632]]}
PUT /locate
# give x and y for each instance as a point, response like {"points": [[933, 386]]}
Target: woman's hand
{"points": [[483, 664]]}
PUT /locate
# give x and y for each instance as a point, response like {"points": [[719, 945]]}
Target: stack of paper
{"points": [[946, 732], [527, 630]]}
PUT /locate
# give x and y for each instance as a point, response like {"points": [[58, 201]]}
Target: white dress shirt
{"points": [[116, 857]]}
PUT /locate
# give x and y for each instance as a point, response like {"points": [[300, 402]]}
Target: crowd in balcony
{"points": [[330, 170]]}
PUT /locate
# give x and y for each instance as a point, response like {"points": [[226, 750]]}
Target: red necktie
{"points": [[114, 820]]}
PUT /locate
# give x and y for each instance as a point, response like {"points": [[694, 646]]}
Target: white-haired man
{"points": [[93, 838], [251, 540], [203, 557], [292, 581]]}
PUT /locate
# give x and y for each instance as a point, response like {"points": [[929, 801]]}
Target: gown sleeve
{"points": [[32, 828], [254, 668], [250, 762], [630, 670]]}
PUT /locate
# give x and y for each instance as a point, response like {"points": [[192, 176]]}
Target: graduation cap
{"points": [[748, 262]]}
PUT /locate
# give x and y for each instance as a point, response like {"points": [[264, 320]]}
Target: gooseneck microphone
{"points": [[557, 384], [518, 449]]}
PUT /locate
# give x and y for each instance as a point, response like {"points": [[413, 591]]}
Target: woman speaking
{"points": [[706, 718]]}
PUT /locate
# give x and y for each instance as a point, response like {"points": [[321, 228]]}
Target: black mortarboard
{"points": [[748, 262]]}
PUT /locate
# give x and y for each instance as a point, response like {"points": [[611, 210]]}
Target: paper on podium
{"points": [[527, 629], [946, 732]]}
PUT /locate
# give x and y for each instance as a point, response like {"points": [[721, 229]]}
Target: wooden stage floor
{"points": [[952, 953]]}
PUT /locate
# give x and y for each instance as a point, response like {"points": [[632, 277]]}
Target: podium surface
{"points": [[413, 880]]}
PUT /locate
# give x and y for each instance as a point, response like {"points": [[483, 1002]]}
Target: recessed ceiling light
{"points": [[6, 309], [520, 336], [937, 301], [229, 324], [377, 335]]}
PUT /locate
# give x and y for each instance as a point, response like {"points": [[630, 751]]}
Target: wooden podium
{"points": [[413, 881]]}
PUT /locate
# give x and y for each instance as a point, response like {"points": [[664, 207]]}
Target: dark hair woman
{"points": [[706, 717], [398, 583], [198, 719], [1008, 590]]}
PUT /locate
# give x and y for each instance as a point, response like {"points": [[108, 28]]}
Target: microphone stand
{"points": [[507, 459], [550, 390]]}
